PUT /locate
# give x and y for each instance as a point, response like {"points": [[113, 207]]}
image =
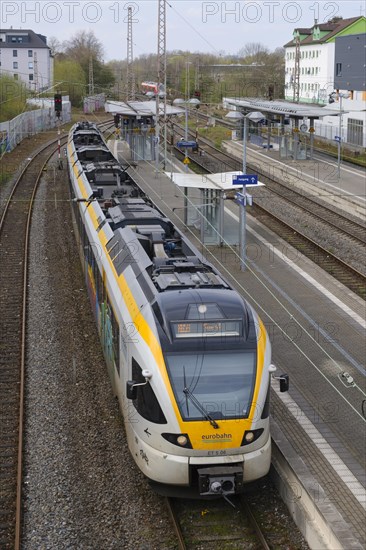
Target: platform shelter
{"points": [[135, 123], [204, 204], [299, 117]]}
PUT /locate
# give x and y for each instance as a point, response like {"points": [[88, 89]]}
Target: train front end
{"points": [[214, 394]]}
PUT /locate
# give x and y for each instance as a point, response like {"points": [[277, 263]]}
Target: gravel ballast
{"points": [[81, 486]]}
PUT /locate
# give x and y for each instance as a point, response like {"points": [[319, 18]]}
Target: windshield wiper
{"points": [[200, 407], [185, 385]]}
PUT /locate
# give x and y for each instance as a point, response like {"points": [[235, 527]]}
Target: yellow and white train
{"points": [[189, 359]]}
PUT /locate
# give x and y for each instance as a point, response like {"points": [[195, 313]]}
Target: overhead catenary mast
{"points": [[36, 74], [131, 88], [160, 119], [296, 96], [91, 76]]}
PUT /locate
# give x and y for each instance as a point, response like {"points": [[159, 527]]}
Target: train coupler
{"points": [[218, 480]]}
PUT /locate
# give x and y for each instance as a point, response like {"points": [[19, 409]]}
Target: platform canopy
{"points": [[139, 108], [286, 108], [222, 181]]}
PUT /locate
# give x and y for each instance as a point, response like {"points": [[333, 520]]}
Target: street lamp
{"points": [[254, 116], [195, 102], [332, 96]]}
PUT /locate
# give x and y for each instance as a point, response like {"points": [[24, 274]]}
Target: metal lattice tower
{"points": [[91, 76], [197, 75], [35, 72], [131, 88], [160, 121], [296, 96]]}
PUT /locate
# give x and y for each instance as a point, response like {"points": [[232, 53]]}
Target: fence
{"points": [[94, 103], [28, 124], [352, 134]]}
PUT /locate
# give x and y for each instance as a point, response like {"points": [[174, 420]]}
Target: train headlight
{"points": [[182, 440], [250, 436]]}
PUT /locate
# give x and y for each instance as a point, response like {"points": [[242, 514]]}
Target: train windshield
{"points": [[222, 383]]}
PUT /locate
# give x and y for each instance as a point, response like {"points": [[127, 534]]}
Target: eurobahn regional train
{"points": [[189, 359]]}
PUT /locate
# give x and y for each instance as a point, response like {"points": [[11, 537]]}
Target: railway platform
{"points": [[345, 189], [316, 327]]}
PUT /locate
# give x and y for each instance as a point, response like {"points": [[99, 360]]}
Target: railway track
{"points": [[14, 239], [215, 524], [345, 228], [15, 223]]}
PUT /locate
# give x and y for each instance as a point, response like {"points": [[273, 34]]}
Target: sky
{"points": [[195, 26]]}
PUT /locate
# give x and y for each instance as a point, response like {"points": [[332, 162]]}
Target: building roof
{"points": [[331, 28], [292, 110], [139, 108], [33, 40], [222, 181]]}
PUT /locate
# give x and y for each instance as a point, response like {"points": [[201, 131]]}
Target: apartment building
{"points": [[25, 56], [331, 71]]}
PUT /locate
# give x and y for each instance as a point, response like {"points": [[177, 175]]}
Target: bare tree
{"points": [[82, 45], [253, 49], [55, 46]]}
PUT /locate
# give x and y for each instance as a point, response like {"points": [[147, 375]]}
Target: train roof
{"points": [[143, 238]]}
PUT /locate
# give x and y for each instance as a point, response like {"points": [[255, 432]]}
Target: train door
{"points": [[109, 335]]}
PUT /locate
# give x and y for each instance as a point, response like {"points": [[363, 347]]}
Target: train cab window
{"points": [[146, 402], [221, 383]]}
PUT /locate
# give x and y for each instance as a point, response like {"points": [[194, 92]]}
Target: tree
{"points": [[72, 79], [13, 98], [83, 47], [55, 46], [253, 50]]}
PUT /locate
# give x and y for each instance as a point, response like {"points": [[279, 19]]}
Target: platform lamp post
{"points": [[180, 102], [341, 95], [332, 98], [256, 117]]}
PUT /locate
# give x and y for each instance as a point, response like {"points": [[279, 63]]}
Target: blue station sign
{"points": [[187, 144], [245, 179]]}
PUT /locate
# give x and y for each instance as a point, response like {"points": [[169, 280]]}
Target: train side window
{"points": [[146, 402]]}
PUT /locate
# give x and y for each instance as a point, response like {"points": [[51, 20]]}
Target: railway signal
{"points": [[58, 104]]}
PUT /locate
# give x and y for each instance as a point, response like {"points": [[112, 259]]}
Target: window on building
{"points": [[15, 53], [30, 77], [30, 53], [338, 69], [20, 39], [15, 76], [30, 65], [312, 70], [13, 39], [317, 53], [15, 64]]}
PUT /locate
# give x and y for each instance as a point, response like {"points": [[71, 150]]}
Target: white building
{"points": [[25, 56], [317, 58], [331, 71]]}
